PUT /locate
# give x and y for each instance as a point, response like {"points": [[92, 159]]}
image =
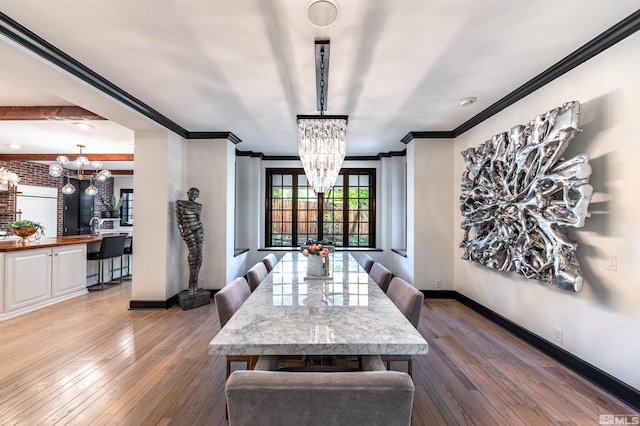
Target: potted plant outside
{"points": [[24, 229]]}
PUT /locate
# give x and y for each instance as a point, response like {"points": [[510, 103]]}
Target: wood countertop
{"points": [[15, 245]]}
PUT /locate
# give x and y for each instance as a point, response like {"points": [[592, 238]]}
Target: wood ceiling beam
{"points": [[47, 113], [52, 157], [121, 172]]}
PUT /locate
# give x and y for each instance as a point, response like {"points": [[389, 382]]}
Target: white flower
{"points": [[8, 178]]}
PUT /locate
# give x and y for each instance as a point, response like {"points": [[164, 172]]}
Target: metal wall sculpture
{"points": [[518, 193]]}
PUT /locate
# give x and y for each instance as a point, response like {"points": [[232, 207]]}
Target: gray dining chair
{"points": [[270, 261], [381, 275], [374, 397], [366, 262], [228, 301], [409, 301], [256, 275]]}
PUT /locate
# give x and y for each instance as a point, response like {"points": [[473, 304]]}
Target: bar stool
{"points": [[128, 252], [110, 248]]}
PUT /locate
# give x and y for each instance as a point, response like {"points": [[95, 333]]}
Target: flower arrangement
{"points": [[8, 178], [316, 250]]}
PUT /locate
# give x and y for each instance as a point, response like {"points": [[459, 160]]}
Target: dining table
{"points": [[344, 313]]}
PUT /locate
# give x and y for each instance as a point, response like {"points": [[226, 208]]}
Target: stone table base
{"points": [[187, 300]]}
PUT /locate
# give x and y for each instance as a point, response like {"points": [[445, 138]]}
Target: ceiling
{"points": [[247, 66]]}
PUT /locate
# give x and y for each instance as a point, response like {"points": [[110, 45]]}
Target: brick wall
{"points": [[37, 174]]}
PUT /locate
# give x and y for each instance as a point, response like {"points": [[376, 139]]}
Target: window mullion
{"points": [[294, 210], [345, 209]]}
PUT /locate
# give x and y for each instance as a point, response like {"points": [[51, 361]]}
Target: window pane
{"points": [[294, 212]]}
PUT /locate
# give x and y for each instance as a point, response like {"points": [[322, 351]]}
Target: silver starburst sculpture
{"points": [[518, 193]]}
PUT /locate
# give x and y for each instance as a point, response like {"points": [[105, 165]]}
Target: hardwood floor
{"points": [[92, 361]]}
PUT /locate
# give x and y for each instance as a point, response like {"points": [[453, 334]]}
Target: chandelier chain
{"points": [[322, 84]]}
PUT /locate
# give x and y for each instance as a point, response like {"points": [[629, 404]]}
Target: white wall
{"points": [[429, 217], [601, 324], [159, 165], [211, 169]]}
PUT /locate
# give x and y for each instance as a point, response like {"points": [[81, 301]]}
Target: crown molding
{"points": [[49, 52], [214, 135], [427, 135], [602, 42], [377, 157], [24, 37], [608, 38]]}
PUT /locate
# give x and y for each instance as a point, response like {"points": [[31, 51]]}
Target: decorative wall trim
{"points": [[608, 38], [427, 135], [214, 135], [613, 35], [31, 41], [23, 36], [377, 157], [46, 50], [605, 381]]}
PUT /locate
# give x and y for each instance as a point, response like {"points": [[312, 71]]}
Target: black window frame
{"points": [[345, 172], [127, 206]]}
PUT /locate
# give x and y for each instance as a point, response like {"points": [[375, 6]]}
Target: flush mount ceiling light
{"points": [[467, 101], [83, 126], [58, 169], [322, 138], [323, 13]]}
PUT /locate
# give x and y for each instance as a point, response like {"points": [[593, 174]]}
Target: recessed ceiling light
{"points": [[83, 126], [467, 101], [14, 146], [323, 13]]}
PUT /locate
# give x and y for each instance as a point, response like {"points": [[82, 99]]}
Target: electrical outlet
{"points": [[438, 283], [557, 334]]}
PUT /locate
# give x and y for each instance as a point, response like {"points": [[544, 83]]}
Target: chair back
{"points": [[407, 298], [319, 399], [270, 261], [381, 275], [366, 262], [256, 275], [111, 247], [230, 298]]}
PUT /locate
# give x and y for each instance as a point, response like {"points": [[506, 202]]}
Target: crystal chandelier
{"points": [[81, 163], [321, 149], [321, 145]]}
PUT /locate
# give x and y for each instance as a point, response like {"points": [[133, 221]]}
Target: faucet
{"points": [[95, 230]]}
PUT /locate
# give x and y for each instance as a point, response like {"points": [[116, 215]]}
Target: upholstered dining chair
{"points": [[270, 261], [366, 262], [256, 275], [269, 398], [409, 301], [381, 275], [228, 301]]}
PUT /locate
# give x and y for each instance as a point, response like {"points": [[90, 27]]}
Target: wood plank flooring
{"points": [[91, 361]]}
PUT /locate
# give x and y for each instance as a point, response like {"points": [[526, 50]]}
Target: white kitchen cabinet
{"points": [[68, 270], [35, 278], [27, 278]]}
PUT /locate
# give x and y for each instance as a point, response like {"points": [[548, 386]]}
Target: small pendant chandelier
{"points": [[321, 145], [81, 163]]}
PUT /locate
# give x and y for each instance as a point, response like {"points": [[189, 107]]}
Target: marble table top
{"points": [[345, 314]]}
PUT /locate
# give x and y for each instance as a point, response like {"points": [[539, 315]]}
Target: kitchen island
{"points": [[42, 272]]}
